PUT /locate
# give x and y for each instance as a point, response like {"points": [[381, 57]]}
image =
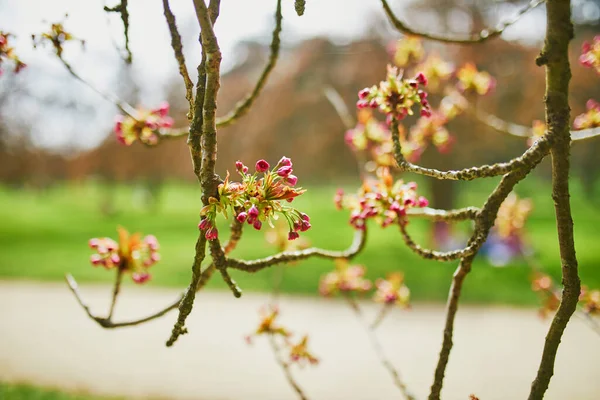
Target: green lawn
{"points": [[44, 235], [11, 391]]}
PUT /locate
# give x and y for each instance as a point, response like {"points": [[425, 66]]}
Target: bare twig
{"points": [[116, 291], [288, 256], [480, 37], [122, 9], [120, 104], [387, 364], [178, 50], [285, 366], [340, 107], [461, 214], [555, 56], [244, 105]]}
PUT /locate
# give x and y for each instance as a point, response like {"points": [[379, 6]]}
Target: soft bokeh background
{"points": [[64, 179]]}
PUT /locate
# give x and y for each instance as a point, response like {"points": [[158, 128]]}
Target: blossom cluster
{"points": [[145, 127], [590, 54], [8, 53], [590, 300], [57, 37], [589, 119], [471, 80], [392, 291], [406, 50], [381, 199], [347, 278], [543, 285], [131, 253], [396, 96], [268, 325], [258, 198]]}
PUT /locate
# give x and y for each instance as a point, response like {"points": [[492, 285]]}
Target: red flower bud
{"points": [[253, 212], [291, 180], [284, 171], [285, 162], [96, 259], [241, 217], [422, 202], [212, 233], [305, 217], [421, 79], [425, 112], [262, 166], [257, 225], [162, 110], [140, 277], [364, 93], [204, 224], [293, 235]]}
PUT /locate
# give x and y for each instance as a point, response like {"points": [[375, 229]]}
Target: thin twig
{"points": [[285, 366], [460, 214], [242, 107], [178, 50], [383, 312], [377, 347], [116, 291], [120, 104], [480, 37], [122, 9], [340, 107]]}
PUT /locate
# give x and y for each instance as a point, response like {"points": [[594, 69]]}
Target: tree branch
{"points": [[540, 147], [433, 214], [242, 107], [555, 56], [178, 50], [480, 37], [285, 366], [287, 256]]}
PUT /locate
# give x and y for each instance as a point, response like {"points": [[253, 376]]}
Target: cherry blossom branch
{"points": [[480, 37], [242, 107], [541, 146], [285, 366], [202, 141], [377, 347], [288, 256], [178, 50], [236, 234], [122, 9], [555, 56]]}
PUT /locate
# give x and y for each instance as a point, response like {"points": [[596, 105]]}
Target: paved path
{"points": [[45, 338]]}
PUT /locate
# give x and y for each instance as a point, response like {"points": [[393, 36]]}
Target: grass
{"points": [[21, 391], [43, 235]]}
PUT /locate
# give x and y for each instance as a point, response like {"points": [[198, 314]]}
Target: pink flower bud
{"points": [[162, 110], [140, 277], [421, 79], [241, 217], [373, 104], [293, 235], [239, 165], [285, 162], [284, 171], [362, 104], [152, 242], [96, 259], [364, 93], [153, 125], [305, 217], [409, 202], [253, 212], [204, 224], [422, 202], [118, 125], [291, 180], [212, 233], [257, 225], [422, 94], [115, 259], [166, 122], [305, 226], [155, 257], [93, 243], [262, 166], [425, 112]]}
